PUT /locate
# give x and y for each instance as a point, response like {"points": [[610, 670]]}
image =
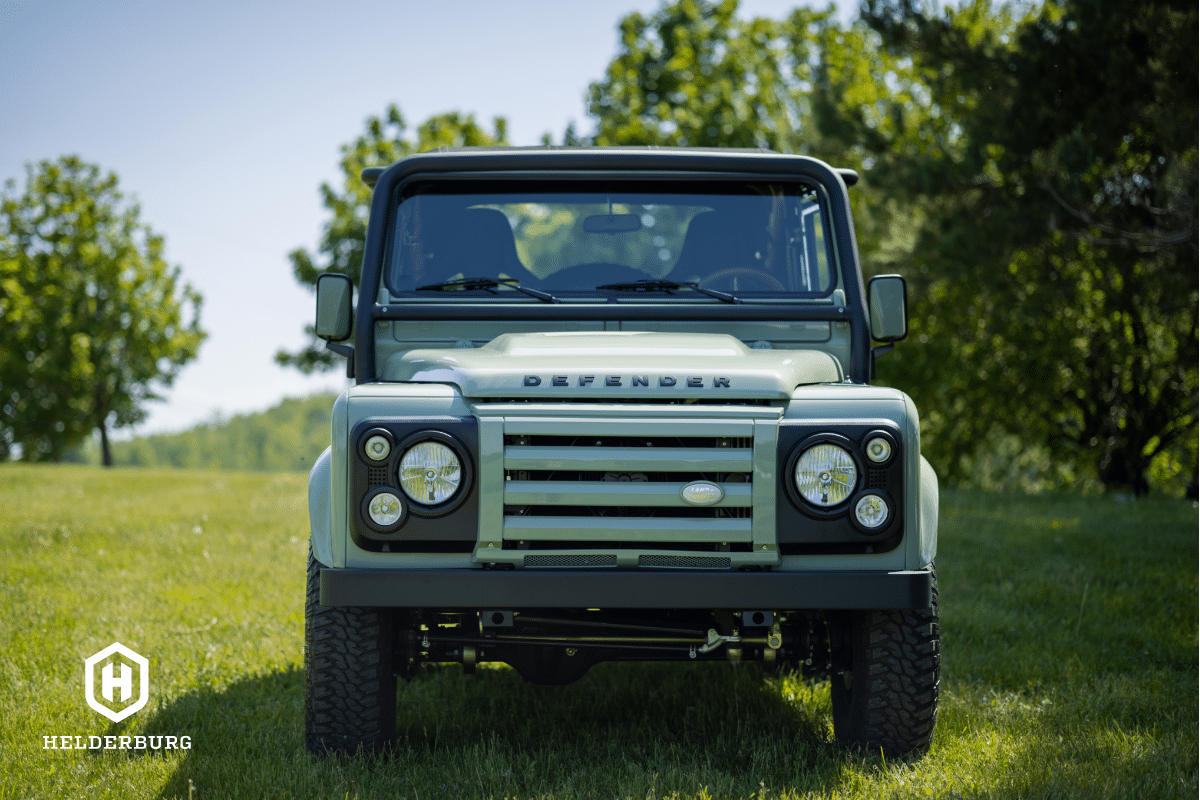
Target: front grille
{"points": [[576, 483], [377, 476], [687, 562], [571, 561]]}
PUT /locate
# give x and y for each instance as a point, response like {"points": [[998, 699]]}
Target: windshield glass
{"points": [[744, 239]]}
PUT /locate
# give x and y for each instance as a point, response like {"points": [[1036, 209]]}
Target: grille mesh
{"points": [[693, 562], [571, 561], [876, 479]]}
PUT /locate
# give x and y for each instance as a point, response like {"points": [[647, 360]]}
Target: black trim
{"points": [[803, 529], [535, 311], [456, 527], [471, 589]]}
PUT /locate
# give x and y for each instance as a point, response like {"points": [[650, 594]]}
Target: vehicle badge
{"points": [[702, 493]]}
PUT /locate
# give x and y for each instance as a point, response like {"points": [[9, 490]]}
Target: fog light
{"points": [[385, 509], [871, 511], [430, 473]]}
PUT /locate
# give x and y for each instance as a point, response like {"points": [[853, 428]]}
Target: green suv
{"points": [[615, 404]]}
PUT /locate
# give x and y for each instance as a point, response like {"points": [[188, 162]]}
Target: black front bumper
{"points": [[470, 589]]}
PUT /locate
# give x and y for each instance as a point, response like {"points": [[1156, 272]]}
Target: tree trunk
{"points": [[105, 452]]}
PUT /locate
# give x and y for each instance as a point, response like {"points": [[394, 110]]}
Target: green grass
{"points": [[1069, 664]]}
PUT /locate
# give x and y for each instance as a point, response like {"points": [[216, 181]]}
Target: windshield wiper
{"points": [[667, 286], [473, 284]]}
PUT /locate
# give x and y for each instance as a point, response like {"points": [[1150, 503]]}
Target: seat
{"points": [[711, 244], [479, 243]]}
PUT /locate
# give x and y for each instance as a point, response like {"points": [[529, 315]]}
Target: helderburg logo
{"points": [[116, 681]]}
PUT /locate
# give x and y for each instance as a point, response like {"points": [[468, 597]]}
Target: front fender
{"points": [[320, 515]]}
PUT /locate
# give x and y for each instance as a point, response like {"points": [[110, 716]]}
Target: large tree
{"points": [[386, 139], [92, 318], [1056, 274]]}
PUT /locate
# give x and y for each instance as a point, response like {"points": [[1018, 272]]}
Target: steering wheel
{"points": [[751, 276]]}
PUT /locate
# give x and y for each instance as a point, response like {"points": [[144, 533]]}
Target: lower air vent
{"points": [[571, 561], [876, 479], [688, 562]]}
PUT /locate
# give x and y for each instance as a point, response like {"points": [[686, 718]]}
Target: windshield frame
{"points": [[777, 261]]}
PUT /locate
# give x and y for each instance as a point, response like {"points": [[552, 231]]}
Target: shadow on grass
{"points": [[623, 729]]}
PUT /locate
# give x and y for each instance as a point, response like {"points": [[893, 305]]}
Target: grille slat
{"points": [[628, 459], [614, 493]]}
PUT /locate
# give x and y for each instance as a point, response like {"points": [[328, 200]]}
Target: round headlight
{"points": [[378, 448], [430, 473], [879, 450], [826, 475], [871, 511], [385, 509]]}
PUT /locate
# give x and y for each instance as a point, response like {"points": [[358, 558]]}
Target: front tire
{"points": [[886, 698], [350, 685]]}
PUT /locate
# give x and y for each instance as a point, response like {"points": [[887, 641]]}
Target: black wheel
{"points": [[350, 687], [885, 700]]}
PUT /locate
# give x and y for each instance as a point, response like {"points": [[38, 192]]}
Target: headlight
{"points": [[879, 450], [826, 475], [385, 509], [430, 473], [871, 511]]}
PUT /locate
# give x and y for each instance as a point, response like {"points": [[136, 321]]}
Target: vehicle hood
{"points": [[617, 365]]}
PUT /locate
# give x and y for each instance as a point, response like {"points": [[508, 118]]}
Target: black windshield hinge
{"points": [[876, 352], [343, 350]]}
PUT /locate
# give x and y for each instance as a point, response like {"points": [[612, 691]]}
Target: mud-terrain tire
{"points": [[350, 683], [888, 701]]}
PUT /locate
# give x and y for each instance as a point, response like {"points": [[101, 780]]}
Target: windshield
{"points": [[744, 239]]}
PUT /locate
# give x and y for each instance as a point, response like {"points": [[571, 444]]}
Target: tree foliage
{"points": [[385, 140], [288, 437], [1056, 276], [92, 317]]}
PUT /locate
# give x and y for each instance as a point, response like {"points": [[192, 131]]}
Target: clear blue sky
{"points": [[223, 118]]}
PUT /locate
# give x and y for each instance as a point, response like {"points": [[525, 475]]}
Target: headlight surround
{"points": [[432, 472], [826, 474]]}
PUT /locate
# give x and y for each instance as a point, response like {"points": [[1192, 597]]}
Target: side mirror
{"points": [[887, 299], [334, 293]]}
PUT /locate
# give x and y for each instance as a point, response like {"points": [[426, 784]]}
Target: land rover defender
{"points": [[615, 404]]}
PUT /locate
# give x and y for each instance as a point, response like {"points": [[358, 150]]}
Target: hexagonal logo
{"points": [[116, 681]]}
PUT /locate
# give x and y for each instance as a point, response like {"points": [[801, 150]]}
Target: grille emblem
{"points": [[702, 493]]}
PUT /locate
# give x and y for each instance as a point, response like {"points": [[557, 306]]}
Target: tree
{"points": [[342, 240], [696, 74], [1056, 277], [92, 317]]}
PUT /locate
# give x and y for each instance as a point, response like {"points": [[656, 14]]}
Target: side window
{"points": [[808, 263]]}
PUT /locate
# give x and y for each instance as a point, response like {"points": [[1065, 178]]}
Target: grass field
{"points": [[1069, 664]]}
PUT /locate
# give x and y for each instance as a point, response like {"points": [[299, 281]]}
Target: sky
{"points": [[224, 118]]}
